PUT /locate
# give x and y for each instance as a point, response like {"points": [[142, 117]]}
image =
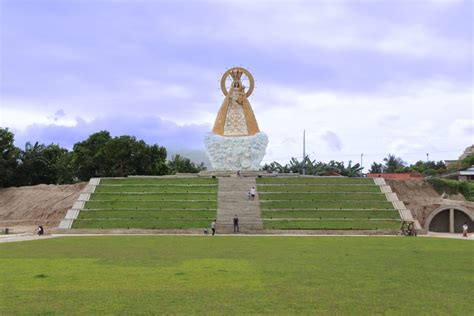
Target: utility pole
{"points": [[304, 152]]}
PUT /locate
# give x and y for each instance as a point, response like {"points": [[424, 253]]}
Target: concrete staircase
{"points": [[405, 213], [233, 199]]}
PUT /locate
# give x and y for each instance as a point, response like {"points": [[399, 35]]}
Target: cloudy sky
{"points": [[362, 77]]}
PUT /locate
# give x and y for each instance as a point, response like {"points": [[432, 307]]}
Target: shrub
{"points": [[451, 186]]}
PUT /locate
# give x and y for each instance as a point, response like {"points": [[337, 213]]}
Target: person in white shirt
{"points": [[464, 229], [213, 227], [252, 193]]}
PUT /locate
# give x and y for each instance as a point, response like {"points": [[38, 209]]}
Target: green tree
{"points": [[102, 155], [394, 164], [351, 170], [125, 155], [89, 156], [429, 168], [467, 162], [180, 164], [376, 168], [314, 167], [158, 164], [39, 163], [9, 155], [65, 168]]}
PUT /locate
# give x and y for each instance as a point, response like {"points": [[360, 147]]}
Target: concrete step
{"points": [[233, 200]]}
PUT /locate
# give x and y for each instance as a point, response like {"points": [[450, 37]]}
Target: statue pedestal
{"points": [[233, 153]]}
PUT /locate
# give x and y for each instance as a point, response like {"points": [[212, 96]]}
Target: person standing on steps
{"points": [[252, 193], [236, 224], [213, 227]]}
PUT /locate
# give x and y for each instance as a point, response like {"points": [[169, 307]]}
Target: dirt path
{"points": [[23, 208]]}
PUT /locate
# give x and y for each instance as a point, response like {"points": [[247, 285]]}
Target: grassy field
{"points": [[237, 275]]}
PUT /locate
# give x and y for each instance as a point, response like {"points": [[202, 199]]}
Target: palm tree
{"points": [[394, 164]]}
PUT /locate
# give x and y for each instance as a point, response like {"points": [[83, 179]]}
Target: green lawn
{"points": [[156, 189], [318, 188], [142, 223], [139, 214], [309, 180], [151, 205], [324, 196], [331, 214], [357, 224], [159, 181], [237, 275], [153, 196], [325, 205]]}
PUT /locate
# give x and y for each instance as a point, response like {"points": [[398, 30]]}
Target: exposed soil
{"points": [[421, 198], [23, 208]]}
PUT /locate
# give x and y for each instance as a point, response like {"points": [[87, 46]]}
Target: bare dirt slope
{"points": [[421, 198], [25, 207]]}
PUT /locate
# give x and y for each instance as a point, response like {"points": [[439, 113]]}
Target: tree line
{"points": [[100, 155], [390, 164]]}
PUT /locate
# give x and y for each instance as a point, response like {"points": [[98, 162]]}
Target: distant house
{"points": [[396, 176], [451, 163], [461, 175]]}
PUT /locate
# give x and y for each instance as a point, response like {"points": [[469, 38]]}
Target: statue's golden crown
{"points": [[236, 74]]}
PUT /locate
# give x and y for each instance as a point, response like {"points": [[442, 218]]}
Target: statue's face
{"points": [[237, 85]]}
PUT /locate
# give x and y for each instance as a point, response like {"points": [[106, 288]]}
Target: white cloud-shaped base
{"points": [[236, 153]]}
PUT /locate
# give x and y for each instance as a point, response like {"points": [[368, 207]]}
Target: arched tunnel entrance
{"points": [[449, 219]]}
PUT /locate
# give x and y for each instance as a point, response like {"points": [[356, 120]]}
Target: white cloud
{"points": [[411, 122], [408, 119], [302, 26], [20, 115]]}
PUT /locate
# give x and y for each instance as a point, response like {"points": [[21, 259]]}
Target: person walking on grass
{"points": [[236, 224], [464, 229], [253, 192], [213, 227]]}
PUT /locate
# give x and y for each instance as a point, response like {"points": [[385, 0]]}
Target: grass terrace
{"points": [[159, 181], [316, 181], [325, 203], [150, 203]]}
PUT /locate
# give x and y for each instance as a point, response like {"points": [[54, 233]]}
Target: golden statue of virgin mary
{"points": [[236, 143], [236, 117]]}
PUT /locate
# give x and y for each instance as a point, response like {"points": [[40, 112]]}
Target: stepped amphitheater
{"points": [[325, 203], [283, 204], [144, 203]]}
